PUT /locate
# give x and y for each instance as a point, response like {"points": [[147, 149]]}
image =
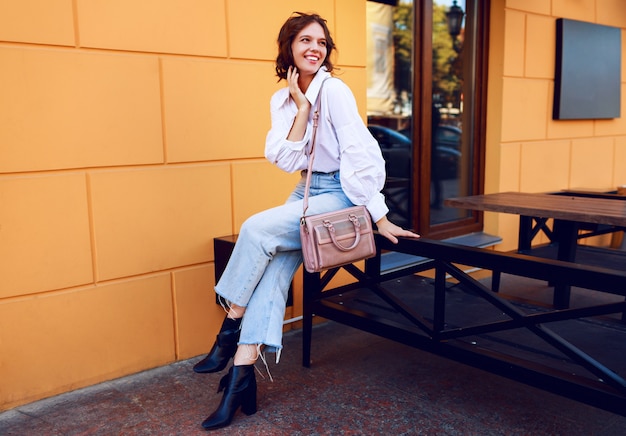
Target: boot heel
{"points": [[239, 387]]}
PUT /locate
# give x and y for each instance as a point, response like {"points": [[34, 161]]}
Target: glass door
{"points": [[425, 65]]}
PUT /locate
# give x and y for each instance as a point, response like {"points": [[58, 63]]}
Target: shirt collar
{"points": [[316, 84]]}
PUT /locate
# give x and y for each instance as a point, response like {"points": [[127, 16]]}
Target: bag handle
{"points": [[316, 115], [357, 233]]}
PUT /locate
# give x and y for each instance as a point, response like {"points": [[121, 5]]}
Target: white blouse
{"points": [[343, 142]]}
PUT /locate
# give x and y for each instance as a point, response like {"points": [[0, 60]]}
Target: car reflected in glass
{"points": [[396, 148]]}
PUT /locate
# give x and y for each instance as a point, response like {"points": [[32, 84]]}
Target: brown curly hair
{"points": [[287, 34]]}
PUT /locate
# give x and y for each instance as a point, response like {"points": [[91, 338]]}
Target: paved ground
{"points": [[359, 384]]}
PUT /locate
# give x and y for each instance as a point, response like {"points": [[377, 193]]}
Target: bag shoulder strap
{"points": [[316, 115]]}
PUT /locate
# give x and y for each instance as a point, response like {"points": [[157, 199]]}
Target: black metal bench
{"points": [[443, 317]]}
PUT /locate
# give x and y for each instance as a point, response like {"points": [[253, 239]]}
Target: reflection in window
{"points": [[444, 149], [380, 60], [452, 155], [389, 41]]}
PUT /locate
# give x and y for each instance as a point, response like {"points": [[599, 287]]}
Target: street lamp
{"points": [[455, 23]]}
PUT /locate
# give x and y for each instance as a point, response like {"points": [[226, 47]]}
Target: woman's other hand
{"points": [[390, 231]]}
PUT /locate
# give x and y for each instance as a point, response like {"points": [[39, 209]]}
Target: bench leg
{"points": [[310, 288], [495, 281]]}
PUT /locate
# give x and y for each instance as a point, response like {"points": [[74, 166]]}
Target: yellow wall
{"points": [[131, 135], [526, 150]]}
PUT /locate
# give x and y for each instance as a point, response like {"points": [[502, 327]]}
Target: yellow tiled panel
{"points": [[561, 129], [258, 186], [64, 109], [510, 164], [545, 166], [216, 110], [250, 20], [196, 27], [44, 234], [515, 27], [619, 162], [350, 32], [540, 35], [154, 219], [37, 21], [536, 6], [582, 10], [524, 109], [616, 126], [65, 340], [592, 163], [611, 13], [508, 230], [198, 317]]}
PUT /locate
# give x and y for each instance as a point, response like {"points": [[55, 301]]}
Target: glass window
{"points": [[424, 70]]}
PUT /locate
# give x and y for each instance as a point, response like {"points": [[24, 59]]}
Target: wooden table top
{"points": [[564, 207]]}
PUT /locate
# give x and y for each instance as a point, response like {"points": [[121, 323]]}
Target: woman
{"points": [[348, 169]]}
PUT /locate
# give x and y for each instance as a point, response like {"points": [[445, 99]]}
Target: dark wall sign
{"points": [[587, 82]]}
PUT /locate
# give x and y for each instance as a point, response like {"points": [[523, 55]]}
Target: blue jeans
{"points": [[266, 256]]}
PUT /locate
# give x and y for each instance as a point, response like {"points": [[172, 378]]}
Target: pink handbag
{"points": [[336, 238]]}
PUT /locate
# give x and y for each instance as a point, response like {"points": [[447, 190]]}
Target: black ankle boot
{"points": [[239, 387], [223, 349]]}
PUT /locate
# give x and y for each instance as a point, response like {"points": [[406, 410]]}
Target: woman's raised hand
{"points": [[294, 89]]}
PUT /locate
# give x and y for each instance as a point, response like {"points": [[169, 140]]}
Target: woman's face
{"points": [[309, 49]]}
